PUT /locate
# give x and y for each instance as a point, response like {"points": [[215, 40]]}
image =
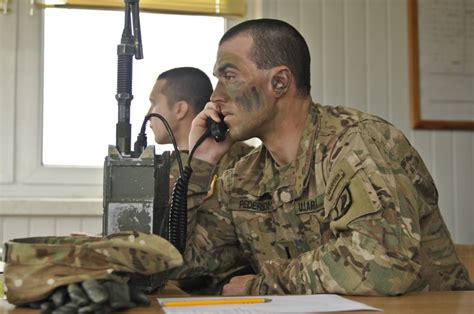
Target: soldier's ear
{"points": [[280, 80], [181, 109]]}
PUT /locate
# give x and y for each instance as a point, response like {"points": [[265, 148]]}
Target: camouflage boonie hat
{"points": [[36, 266]]}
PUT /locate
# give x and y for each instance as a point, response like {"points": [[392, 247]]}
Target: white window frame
{"points": [[22, 174]]}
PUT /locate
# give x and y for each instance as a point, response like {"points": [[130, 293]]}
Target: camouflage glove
{"points": [[91, 296]]}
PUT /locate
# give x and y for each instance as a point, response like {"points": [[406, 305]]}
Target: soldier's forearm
{"points": [[342, 267]]}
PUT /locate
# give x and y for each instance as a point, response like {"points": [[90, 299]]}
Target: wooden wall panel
{"points": [[398, 107], [66, 225], [92, 225], [443, 174], [311, 27], [463, 173], [15, 227], [333, 52], [41, 226], [377, 58], [289, 11], [355, 55]]}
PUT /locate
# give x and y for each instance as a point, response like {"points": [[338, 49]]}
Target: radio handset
{"points": [[218, 130]]}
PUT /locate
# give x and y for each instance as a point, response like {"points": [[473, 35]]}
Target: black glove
{"points": [[92, 296]]}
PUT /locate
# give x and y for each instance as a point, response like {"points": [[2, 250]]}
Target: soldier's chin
{"points": [[238, 135]]}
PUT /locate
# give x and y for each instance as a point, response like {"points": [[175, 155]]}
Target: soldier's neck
{"points": [[284, 140]]}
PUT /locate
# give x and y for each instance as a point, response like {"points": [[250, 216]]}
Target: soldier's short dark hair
{"points": [[277, 43], [189, 84]]}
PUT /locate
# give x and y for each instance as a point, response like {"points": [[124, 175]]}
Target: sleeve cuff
{"points": [[254, 286], [201, 177]]}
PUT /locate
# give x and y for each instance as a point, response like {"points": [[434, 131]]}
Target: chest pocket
{"points": [[257, 233], [310, 216], [278, 234]]}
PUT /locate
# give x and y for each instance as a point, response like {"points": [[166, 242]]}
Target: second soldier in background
{"points": [[178, 95]]}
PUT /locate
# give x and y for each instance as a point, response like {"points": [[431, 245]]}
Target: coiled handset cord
{"points": [[178, 214], [178, 220]]}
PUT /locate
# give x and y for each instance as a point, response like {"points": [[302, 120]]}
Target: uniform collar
{"points": [[260, 176]]}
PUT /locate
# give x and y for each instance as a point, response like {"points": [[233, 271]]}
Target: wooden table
{"points": [[446, 302], [451, 302]]}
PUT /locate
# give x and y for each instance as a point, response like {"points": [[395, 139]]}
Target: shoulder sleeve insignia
{"points": [[334, 183], [344, 202]]}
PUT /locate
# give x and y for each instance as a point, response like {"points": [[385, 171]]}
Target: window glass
{"points": [[80, 75]]}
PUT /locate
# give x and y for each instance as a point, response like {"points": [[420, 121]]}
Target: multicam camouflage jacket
{"points": [[355, 213], [207, 278]]}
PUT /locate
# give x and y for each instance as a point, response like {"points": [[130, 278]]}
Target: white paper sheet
{"points": [[278, 304]]}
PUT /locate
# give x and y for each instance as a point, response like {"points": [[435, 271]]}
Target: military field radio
{"points": [[136, 183]]}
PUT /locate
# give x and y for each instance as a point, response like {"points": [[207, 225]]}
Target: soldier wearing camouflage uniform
{"points": [[334, 201], [178, 95], [208, 282]]}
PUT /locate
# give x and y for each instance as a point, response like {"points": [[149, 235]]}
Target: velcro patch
{"points": [[310, 206], [258, 206], [334, 184]]}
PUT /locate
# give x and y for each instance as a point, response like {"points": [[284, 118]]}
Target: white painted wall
{"points": [[359, 59]]}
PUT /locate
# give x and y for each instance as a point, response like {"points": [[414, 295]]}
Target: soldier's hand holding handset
{"points": [[209, 150]]}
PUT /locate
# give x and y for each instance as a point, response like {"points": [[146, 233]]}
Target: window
{"points": [[80, 75], [27, 101]]}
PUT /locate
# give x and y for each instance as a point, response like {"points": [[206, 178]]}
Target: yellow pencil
{"points": [[215, 302]]}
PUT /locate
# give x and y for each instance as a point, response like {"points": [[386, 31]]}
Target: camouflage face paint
{"points": [[251, 99], [238, 89]]}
